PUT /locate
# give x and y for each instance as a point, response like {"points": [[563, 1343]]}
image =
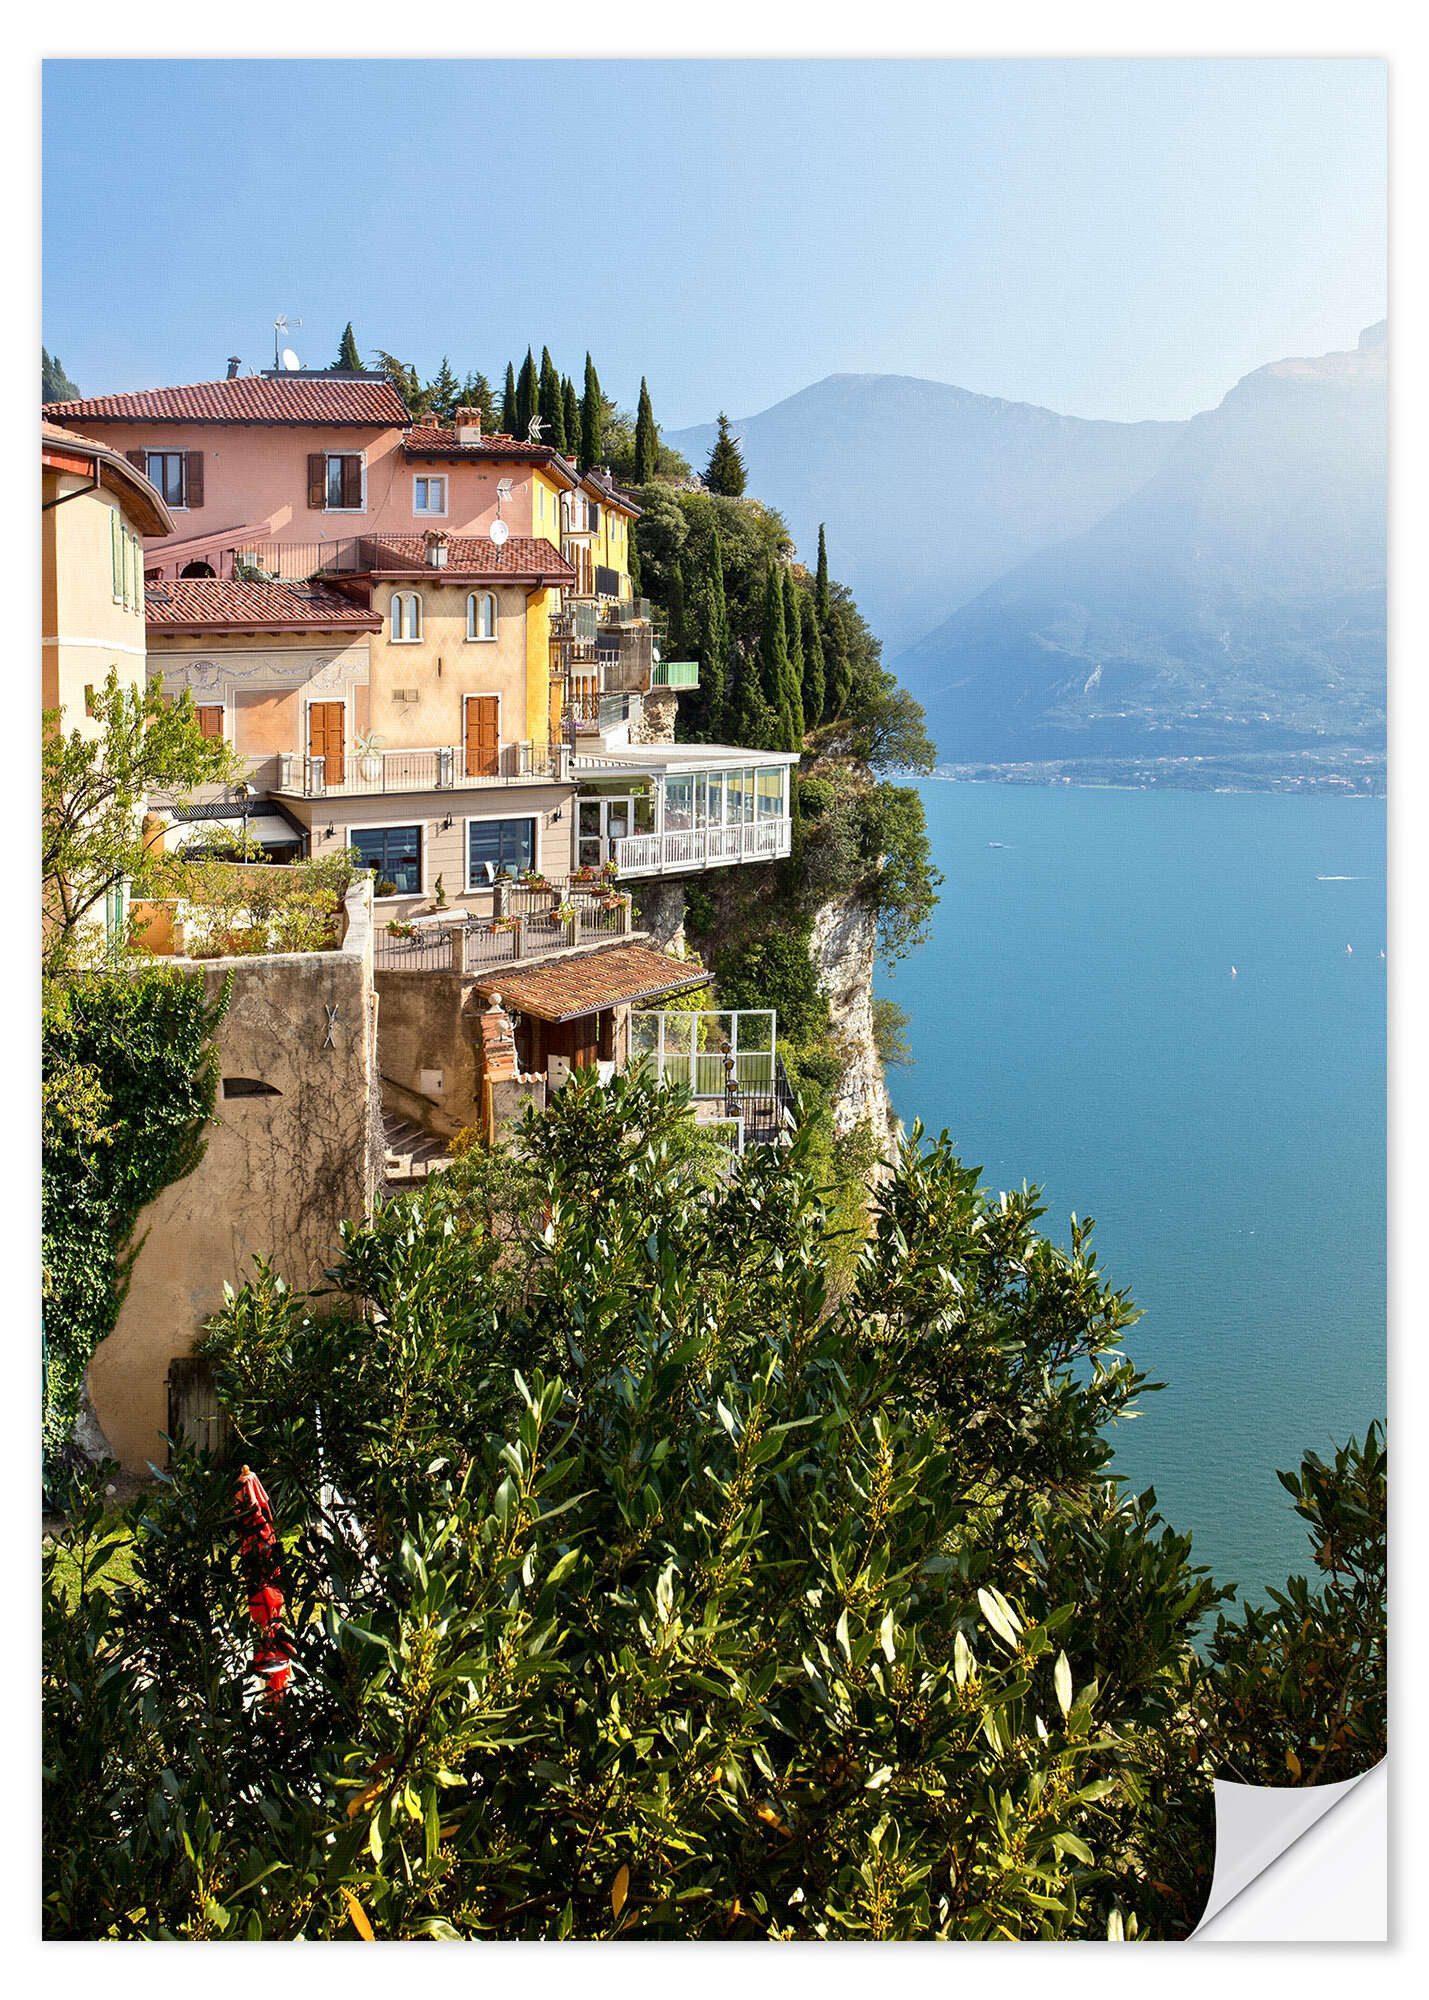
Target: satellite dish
{"points": [[499, 532], [290, 360]]}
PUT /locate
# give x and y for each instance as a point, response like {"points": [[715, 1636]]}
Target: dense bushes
{"points": [[667, 1595]]}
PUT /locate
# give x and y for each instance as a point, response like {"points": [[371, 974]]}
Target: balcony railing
{"points": [[439, 770], [675, 674], [481, 945], [674, 853], [624, 610]]}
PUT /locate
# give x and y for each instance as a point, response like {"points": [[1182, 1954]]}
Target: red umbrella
{"points": [[259, 1554]]}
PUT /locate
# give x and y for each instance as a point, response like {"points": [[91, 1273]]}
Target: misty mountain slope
{"points": [[1235, 602], [930, 492]]}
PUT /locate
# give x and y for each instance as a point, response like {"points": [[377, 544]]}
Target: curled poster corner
{"points": [[1257, 1824]]}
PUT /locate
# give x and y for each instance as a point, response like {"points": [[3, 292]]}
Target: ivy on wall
{"points": [[131, 1076]]}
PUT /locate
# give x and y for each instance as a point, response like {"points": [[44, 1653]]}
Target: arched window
{"points": [[481, 615], [406, 615]]}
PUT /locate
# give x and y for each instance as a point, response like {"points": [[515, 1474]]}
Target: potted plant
{"points": [[368, 747], [386, 886], [399, 929], [564, 913]]}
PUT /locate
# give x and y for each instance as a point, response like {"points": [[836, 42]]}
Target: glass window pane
{"points": [[393, 853], [679, 804], [771, 793], [508, 845]]}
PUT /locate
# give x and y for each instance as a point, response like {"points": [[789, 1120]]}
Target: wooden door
{"points": [[327, 739], [483, 738]]}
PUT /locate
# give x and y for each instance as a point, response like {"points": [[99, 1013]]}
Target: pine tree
{"points": [[647, 438], [794, 641], [774, 665], [725, 472], [347, 354], [815, 692], [509, 403], [476, 394], [571, 410], [443, 393], [526, 394], [592, 418], [550, 404]]}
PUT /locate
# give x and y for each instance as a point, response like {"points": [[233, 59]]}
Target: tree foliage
{"points": [[55, 385], [638, 1586], [349, 356], [724, 471], [646, 437]]}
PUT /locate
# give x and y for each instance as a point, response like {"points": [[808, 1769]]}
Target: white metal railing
{"points": [[700, 847], [436, 770]]}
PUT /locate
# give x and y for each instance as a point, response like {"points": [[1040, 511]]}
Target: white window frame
{"points": [[424, 832], [361, 457], [473, 599], [396, 637], [118, 559], [429, 479], [222, 704], [488, 819]]}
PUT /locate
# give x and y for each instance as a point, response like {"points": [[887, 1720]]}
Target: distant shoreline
{"points": [[1291, 775]]}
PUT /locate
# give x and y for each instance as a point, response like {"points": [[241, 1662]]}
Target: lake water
{"points": [[1075, 1023]]}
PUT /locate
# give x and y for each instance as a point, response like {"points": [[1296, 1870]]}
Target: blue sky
{"points": [[1109, 238]]}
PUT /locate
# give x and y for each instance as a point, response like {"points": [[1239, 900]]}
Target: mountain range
{"points": [[1053, 588]]}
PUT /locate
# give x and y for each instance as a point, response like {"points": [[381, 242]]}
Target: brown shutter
{"points": [[352, 480], [210, 719], [139, 458], [317, 480], [193, 478]]}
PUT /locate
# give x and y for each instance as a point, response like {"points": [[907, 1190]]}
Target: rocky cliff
{"points": [[842, 948]]}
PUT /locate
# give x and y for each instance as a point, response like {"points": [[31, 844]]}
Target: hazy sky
{"points": [[1109, 238]]}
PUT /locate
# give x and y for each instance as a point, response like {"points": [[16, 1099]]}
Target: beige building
{"points": [[96, 510], [295, 1151]]}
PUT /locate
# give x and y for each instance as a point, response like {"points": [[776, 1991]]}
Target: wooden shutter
{"points": [[210, 719], [193, 479], [351, 480], [326, 738], [483, 742], [139, 458], [317, 480]]}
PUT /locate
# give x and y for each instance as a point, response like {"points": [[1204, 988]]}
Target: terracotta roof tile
{"points": [[473, 555], [250, 399], [427, 440], [588, 981], [213, 603]]}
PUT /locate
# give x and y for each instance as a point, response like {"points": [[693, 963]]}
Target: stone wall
{"points": [[660, 910], [656, 720], [291, 1154]]}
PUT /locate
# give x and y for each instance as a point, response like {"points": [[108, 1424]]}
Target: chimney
{"points": [[468, 424], [233, 366], [436, 548]]}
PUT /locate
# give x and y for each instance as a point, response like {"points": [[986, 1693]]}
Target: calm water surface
{"points": [[1076, 1023]]}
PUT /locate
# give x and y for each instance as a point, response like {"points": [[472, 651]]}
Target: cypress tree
{"points": [[815, 692], [347, 354], [794, 639], [572, 413], [509, 404], [714, 647], [725, 472], [527, 389], [633, 550], [592, 418], [774, 665], [676, 636], [753, 721], [550, 403], [646, 438], [821, 581]]}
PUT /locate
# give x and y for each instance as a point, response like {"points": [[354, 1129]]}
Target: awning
{"points": [[587, 982], [266, 828]]}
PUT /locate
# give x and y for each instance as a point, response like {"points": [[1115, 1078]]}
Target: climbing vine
{"points": [[130, 1075]]}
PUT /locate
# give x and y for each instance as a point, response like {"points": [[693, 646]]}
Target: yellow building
{"points": [[96, 510]]}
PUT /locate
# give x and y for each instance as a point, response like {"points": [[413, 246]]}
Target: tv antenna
{"points": [[284, 357], [534, 429]]}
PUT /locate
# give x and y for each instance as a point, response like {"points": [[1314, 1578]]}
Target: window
{"points": [[118, 561], [210, 719], [406, 617], [481, 615], [429, 496], [337, 482], [165, 470], [771, 794], [498, 847], [393, 853]]}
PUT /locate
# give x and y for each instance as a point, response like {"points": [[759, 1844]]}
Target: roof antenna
{"points": [[284, 357]]}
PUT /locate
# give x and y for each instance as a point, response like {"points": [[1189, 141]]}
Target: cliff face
{"points": [[842, 948]]}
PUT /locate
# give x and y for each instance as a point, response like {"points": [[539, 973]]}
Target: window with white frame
{"points": [[481, 615], [394, 854], [429, 494], [498, 847], [406, 617], [344, 482]]}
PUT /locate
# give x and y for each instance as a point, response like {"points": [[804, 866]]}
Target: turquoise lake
{"points": [[1075, 1023]]}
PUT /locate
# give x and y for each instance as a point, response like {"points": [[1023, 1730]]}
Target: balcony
{"points": [[675, 674], [438, 770], [536, 929], [681, 852], [727, 1060]]}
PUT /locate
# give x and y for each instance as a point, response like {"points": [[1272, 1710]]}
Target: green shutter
{"points": [[116, 553]]}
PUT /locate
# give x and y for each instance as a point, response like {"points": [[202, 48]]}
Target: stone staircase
{"points": [[411, 1153]]}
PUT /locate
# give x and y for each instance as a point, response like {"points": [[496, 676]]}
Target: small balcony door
{"points": [[327, 738], [601, 822], [483, 735]]}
